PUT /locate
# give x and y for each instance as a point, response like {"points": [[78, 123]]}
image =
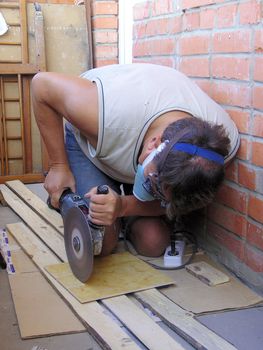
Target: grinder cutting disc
{"points": [[78, 243]]}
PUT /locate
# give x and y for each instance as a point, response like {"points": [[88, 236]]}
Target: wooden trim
{"points": [[26, 110], [21, 120], [40, 40], [25, 178], [9, 5], [18, 68], [23, 28], [5, 156], [89, 33]]}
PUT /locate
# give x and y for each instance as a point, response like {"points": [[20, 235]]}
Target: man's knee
{"points": [[150, 236]]}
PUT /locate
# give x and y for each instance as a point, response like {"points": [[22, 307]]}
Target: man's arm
{"points": [[56, 96], [105, 209]]}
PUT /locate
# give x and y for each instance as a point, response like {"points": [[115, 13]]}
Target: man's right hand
{"points": [[57, 180]]}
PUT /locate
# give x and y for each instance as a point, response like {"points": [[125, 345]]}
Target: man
{"points": [[140, 124]]}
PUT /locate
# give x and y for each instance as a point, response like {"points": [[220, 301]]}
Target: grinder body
{"points": [[83, 239]]}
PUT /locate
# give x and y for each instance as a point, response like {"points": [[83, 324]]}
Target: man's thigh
{"points": [[86, 174]]}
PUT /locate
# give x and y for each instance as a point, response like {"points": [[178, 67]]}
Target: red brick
{"points": [[246, 176], [194, 44], [163, 61], [255, 208], [161, 7], [205, 85], [194, 66], [106, 51], [231, 171], [228, 219], [234, 41], [258, 97], [241, 119], [233, 198], [257, 153], [154, 47], [255, 235], [258, 69], [234, 244], [258, 42], [230, 68], [187, 4], [139, 30], [231, 93], [105, 37], [258, 125], [100, 62], [242, 152], [163, 26], [141, 10], [207, 19], [191, 21], [226, 16], [105, 23], [104, 8], [253, 258], [249, 12]]}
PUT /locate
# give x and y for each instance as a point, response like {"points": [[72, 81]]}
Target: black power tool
{"points": [[83, 239]]}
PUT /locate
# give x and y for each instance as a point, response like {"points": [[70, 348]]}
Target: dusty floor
{"points": [[243, 328]]}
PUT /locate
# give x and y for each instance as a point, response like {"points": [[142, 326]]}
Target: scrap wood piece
{"points": [[182, 322], [207, 273], [113, 275], [37, 204], [42, 229], [101, 326], [39, 309], [154, 337]]}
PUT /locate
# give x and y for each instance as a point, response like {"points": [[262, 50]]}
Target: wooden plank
{"points": [[37, 204], [137, 321], [27, 123], [207, 273], [25, 178], [29, 287], [23, 28], [21, 115], [52, 238], [100, 325], [40, 40], [11, 5], [182, 322], [89, 32], [16, 68], [4, 157]]}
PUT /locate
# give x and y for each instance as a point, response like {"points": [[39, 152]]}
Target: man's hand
{"points": [[104, 209], [57, 180]]}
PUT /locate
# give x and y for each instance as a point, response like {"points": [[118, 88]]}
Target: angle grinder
{"points": [[83, 239]]}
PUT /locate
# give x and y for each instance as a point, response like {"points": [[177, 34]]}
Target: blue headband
{"points": [[198, 151]]}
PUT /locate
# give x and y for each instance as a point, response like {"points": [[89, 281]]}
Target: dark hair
{"points": [[192, 180]]}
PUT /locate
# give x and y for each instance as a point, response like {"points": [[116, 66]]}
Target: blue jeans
{"points": [[86, 174]]}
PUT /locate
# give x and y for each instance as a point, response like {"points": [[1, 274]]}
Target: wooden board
{"points": [[29, 289], [112, 275], [207, 273], [182, 321]]}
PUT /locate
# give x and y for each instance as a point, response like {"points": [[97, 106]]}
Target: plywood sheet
{"points": [[40, 310], [113, 275], [193, 295]]}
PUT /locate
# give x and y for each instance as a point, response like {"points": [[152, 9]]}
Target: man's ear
{"points": [[154, 143]]}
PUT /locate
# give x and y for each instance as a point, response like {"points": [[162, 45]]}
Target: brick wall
{"points": [[105, 32], [219, 44]]}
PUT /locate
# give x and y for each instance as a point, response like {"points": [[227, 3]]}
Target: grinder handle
{"points": [[102, 189]]}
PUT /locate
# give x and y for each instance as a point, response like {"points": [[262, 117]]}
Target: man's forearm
{"points": [[131, 206]]}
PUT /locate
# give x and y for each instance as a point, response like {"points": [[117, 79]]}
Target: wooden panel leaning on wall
{"points": [[30, 45]]}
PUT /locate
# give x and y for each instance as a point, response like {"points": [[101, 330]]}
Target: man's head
{"points": [[189, 181]]}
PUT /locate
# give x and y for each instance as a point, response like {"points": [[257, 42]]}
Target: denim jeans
{"points": [[86, 174]]}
